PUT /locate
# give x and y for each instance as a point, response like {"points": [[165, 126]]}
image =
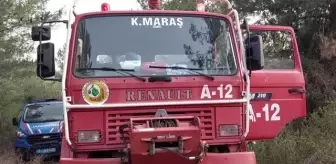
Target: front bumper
{"points": [[30, 144], [211, 158], [23, 147], [32, 151]]}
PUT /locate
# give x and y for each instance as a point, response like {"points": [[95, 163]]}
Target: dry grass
{"points": [[13, 95], [8, 155], [312, 141], [327, 46], [11, 158]]}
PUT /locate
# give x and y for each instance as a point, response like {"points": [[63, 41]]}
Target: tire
{"points": [[26, 156], [22, 155]]}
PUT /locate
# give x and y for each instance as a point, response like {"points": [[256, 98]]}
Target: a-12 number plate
{"points": [[44, 151]]}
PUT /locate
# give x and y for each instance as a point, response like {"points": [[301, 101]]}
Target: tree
{"points": [[17, 17], [60, 58], [18, 77]]}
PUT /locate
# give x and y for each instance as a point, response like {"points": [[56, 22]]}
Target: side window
{"points": [[223, 49], [278, 49], [83, 47]]}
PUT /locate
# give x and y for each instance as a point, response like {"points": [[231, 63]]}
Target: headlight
{"points": [[228, 130], [20, 134], [61, 126], [88, 136]]}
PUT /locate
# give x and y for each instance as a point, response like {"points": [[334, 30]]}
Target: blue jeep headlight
{"points": [[20, 134]]}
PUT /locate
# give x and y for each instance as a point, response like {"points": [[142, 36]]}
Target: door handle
{"points": [[296, 90]]}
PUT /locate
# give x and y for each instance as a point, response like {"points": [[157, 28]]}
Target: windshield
{"points": [[43, 113], [137, 42]]}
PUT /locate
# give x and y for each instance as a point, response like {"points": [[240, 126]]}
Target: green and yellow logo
{"points": [[95, 92]]}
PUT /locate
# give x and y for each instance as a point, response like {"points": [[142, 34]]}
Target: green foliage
{"points": [[16, 91], [143, 3], [188, 5], [60, 58], [313, 143], [18, 78], [17, 17]]}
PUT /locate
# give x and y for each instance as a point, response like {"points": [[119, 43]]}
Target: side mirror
{"points": [[15, 121], [254, 53], [46, 60], [40, 32]]}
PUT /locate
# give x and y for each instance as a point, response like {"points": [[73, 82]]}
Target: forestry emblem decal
{"points": [[95, 92]]}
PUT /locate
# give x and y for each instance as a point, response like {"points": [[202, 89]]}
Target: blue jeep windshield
{"points": [[135, 42], [43, 112]]}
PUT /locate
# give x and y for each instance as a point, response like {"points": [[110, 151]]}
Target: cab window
{"points": [[136, 42], [278, 50]]}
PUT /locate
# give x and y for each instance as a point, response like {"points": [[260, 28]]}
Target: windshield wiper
{"points": [[189, 69], [121, 71]]}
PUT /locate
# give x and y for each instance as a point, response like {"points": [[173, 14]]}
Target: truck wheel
{"points": [[18, 152], [22, 156], [26, 156]]}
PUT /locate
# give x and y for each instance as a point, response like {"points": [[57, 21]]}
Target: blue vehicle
{"points": [[38, 129]]}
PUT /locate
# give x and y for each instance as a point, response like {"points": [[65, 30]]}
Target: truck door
{"points": [[278, 90]]}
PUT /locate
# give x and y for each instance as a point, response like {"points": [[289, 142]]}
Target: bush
{"points": [[13, 94], [313, 143]]}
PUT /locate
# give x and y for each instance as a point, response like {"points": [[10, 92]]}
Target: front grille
{"points": [[116, 118], [41, 139]]}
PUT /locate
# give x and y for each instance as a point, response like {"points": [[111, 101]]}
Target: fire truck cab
{"points": [[172, 86]]}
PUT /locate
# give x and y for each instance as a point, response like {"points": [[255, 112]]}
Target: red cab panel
{"points": [[279, 89]]}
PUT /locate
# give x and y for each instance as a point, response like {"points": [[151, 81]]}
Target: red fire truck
{"points": [[159, 86]]}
